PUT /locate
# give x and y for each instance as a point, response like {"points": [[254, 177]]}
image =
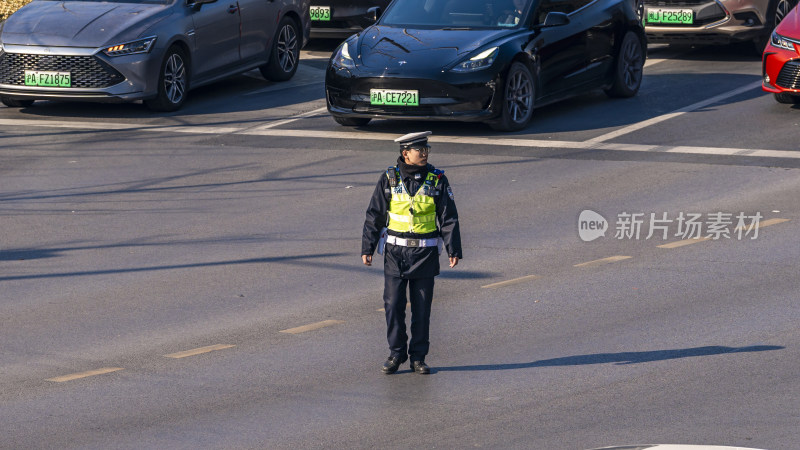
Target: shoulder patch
{"points": [[450, 192]]}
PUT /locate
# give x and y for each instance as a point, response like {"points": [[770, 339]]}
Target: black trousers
{"points": [[394, 299]]}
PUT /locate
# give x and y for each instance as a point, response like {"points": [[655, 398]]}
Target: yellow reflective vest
{"points": [[415, 214]]}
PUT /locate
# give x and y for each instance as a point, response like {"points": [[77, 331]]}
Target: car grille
{"points": [[86, 71], [705, 12], [789, 78]]}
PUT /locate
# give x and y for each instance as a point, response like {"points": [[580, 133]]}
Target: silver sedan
{"points": [[151, 50]]}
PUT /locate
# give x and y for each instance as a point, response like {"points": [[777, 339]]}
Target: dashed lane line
{"points": [[312, 326], [684, 242], [510, 282], [600, 262], [655, 120], [198, 351], [88, 373]]}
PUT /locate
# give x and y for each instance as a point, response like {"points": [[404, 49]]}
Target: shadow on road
{"points": [[622, 358]]}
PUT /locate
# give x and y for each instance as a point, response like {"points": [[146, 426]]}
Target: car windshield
{"points": [[146, 2], [456, 13]]}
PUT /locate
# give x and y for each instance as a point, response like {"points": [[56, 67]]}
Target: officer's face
{"points": [[416, 157]]}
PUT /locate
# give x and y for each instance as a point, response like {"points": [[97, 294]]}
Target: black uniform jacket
{"points": [[412, 262]]}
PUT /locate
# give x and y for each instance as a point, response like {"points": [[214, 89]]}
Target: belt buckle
{"points": [[412, 242]]}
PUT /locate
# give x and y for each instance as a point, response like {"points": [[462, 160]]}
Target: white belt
{"points": [[412, 242]]}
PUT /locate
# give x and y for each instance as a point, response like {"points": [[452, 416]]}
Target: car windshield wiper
{"points": [[456, 28]]}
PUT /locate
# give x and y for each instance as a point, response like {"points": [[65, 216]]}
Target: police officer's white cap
{"points": [[412, 139]]}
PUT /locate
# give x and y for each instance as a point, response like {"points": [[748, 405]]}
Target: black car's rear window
{"points": [[457, 13]]}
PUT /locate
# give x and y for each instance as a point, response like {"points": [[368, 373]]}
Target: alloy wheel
{"points": [[632, 63], [175, 78], [287, 48], [519, 97]]}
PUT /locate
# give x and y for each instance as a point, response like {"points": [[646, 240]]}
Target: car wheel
{"points": [[351, 121], [787, 98], [776, 11], [517, 104], [285, 54], [629, 64], [11, 103], [173, 82]]}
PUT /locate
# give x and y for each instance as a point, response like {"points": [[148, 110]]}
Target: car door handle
{"points": [[233, 8]]}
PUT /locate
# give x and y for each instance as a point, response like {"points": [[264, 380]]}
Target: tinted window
{"points": [[457, 13]]}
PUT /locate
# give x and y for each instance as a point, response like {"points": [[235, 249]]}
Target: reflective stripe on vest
{"points": [[423, 219]]}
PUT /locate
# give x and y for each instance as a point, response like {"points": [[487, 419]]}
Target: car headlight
{"points": [[131, 48], [343, 59], [781, 42], [480, 61]]}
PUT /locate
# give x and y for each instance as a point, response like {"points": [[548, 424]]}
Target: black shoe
{"points": [[420, 367], [392, 364]]}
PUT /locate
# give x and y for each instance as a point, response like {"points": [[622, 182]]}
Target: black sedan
{"points": [[489, 61]]}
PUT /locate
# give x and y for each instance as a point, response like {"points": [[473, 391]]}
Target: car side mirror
{"points": [[373, 14], [555, 19]]}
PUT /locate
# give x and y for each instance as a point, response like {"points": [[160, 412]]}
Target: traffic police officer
{"points": [[412, 210]]}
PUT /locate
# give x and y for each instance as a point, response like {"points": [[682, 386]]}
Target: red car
{"points": [[780, 64]]}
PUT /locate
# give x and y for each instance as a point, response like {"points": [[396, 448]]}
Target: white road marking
{"points": [[377, 136], [89, 373], [294, 118], [693, 107], [664, 55], [198, 351]]}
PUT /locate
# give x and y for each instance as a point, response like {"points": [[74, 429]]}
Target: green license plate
{"points": [[320, 13], [391, 97], [47, 79], [670, 16]]}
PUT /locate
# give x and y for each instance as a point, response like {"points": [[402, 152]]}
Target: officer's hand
{"points": [[453, 261], [368, 260]]}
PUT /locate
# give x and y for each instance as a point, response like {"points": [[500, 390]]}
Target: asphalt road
{"points": [[193, 280]]}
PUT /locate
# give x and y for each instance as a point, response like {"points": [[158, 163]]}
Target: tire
{"points": [[789, 99], [285, 55], [776, 11], [173, 82], [628, 69], [351, 121], [11, 103], [518, 99]]}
